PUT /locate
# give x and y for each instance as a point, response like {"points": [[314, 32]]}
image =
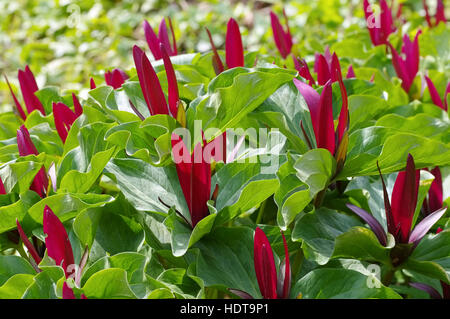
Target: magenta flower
{"points": [[271, 285], [154, 41], [321, 109], [407, 68], [440, 13], [283, 38], [435, 95], [379, 27], [400, 211], [26, 147], [115, 78], [59, 249], [92, 84], [194, 174], [28, 86], [151, 88], [64, 116]]}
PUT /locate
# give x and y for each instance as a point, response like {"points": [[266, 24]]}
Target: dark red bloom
{"points": [[57, 242], [379, 27], [321, 108], [283, 38], [407, 68], [26, 147], [194, 174], [400, 212], [271, 286], [154, 41], [151, 88], [28, 86], [234, 51], [64, 117], [115, 78]]}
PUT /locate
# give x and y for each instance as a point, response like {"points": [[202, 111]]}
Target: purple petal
{"points": [[428, 289], [372, 222], [424, 226]]}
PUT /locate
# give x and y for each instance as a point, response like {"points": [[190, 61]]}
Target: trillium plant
{"points": [[293, 152]]}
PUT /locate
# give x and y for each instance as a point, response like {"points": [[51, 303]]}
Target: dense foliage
{"points": [[225, 150]]}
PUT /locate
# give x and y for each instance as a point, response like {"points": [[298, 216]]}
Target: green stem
{"points": [[387, 278], [319, 198]]}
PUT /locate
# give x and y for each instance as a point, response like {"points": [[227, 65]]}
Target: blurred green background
{"points": [[66, 42]]}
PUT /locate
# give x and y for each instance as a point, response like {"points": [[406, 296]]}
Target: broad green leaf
{"points": [[318, 232], [331, 283], [109, 283]]}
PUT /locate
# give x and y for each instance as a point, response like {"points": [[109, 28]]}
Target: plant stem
{"points": [[387, 279], [319, 198]]}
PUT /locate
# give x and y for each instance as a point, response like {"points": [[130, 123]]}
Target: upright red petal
{"points": [[76, 105], [183, 164], [152, 40], [401, 69], [64, 118], [16, 101], [386, 22], [217, 62], [343, 116], [174, 50], [92, 84], [303, 70], [201, 185], [57, 242], [281, 40], [28, 86], [374, 31], [411, 51], [172, 82], [163, 35], [350, 72], [427, 13], [266, 273], [440, 12], [234, 51], [34, 254], [2, 187], [323, 70], [326, 137], [312, 99], [435, 194], [404, 199], [194, 174], [26, 147], [151, 88], [434, 93]]}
